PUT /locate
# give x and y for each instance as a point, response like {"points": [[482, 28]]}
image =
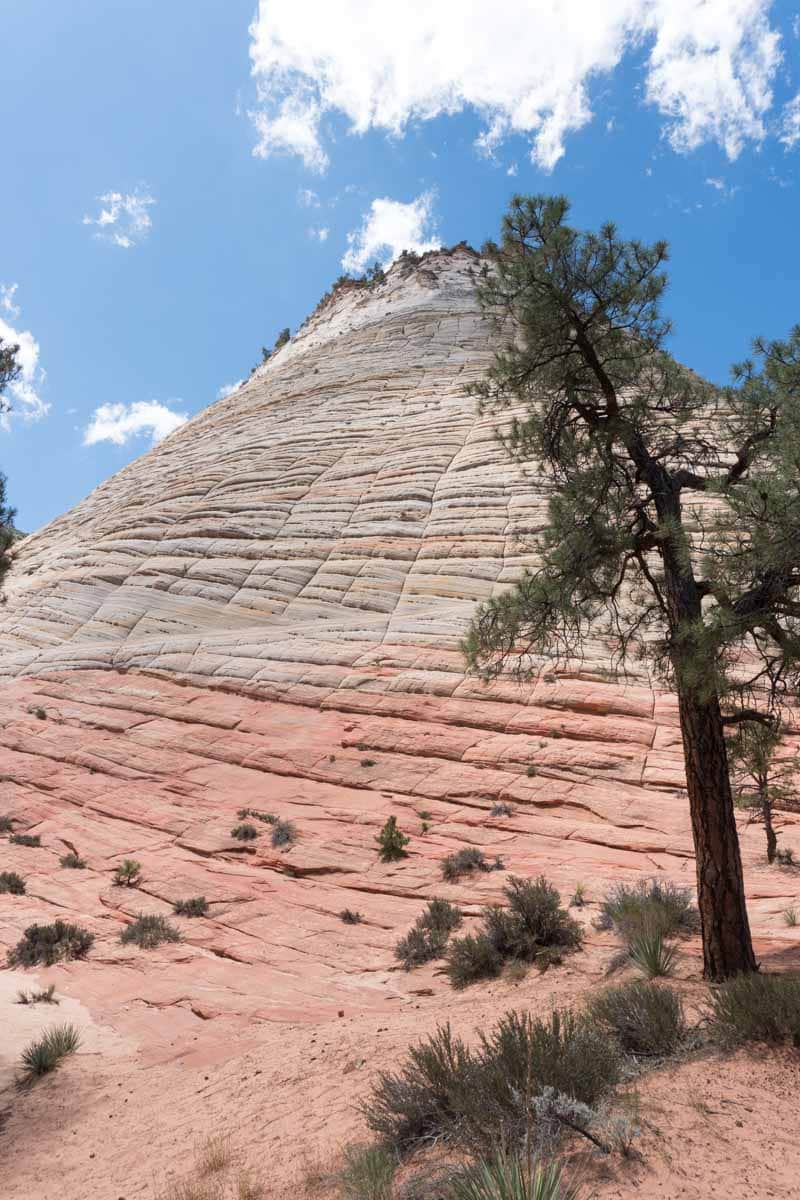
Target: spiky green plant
{"points": [[652, 955], [45, 1054], [509, 1177]]}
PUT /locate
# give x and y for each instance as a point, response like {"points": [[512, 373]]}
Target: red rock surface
{"points": [[248, 617]]}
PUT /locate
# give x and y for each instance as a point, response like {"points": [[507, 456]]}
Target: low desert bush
{"points": [[128, 873], [25, 839], [350, 916], [45, 1054], [72, 860], [508, 1177], [645, 1018], [368, 762], [391, 842], [755, 1008], [256, 814], [535, 927], [465, 862], [197, 906], [244, 833], [40, 713], [11, 883], [6, 824], [46, 996], [48, 944], [578, 896], [651, 954], [785, 857], [368, 1173], [479, 1099], [283, 833], [149, 930], [440, 915], [649, 906], [420, 946], [501, 809]]}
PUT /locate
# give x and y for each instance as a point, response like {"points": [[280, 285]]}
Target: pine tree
{"points": [[674, 524], [9, 370], [762, 777], [391, 842]]}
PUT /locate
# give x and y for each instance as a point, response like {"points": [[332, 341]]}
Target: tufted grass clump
{"points": [[128, 873], [790, 917], [649, 906], [197, 906], [479, 1099], [25, 839], [534, 928], [48, 944], [244, 832], [350, 916], [509, 1177], [43, 996], [755, 1008], [11, 884], [72, 861], [45, 1054], [149, 930], [653, 955], [467, 862], [645, 1018], [368, 1173]]}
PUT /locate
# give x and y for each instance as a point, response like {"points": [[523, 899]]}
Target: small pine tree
{"points": [[282, 338], [761, 781], [391, 842]]}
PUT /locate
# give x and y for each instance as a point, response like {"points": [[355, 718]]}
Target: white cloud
{"points": [[512, 170], [320, 233], [23, 393], [390, 227], [118, 423], [307, 198], [790, 127], [123, 220], [524, 65], [228, 389]]}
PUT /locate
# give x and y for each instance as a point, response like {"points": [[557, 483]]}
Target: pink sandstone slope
{"points": [[264, 612]]}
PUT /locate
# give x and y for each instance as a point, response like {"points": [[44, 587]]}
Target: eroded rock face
{"points": [[264, 612]]}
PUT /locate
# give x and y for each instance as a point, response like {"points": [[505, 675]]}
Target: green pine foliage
{"points": [[391, 842]]}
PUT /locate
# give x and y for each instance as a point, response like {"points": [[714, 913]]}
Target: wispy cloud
{"points": [[320, 233], [389, 227], [524, 65], [228, 389], [119, 423], [123, 219], [307, 198], [790, 125], [23, 393]]}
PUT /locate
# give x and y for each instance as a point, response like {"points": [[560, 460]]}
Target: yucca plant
{"points": [[651, 954], [47, 1052], [790, 917], [511, 1178]]}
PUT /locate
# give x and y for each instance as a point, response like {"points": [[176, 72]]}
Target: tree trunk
{"points": [[727, 945], [772, 837]]}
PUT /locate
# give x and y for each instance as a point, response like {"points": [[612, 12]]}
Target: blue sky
{"points": [[241, 153]]}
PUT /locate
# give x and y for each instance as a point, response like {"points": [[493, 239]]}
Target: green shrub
{"points": [[48, 944], [72, 860], [244, 833], [756, 1008], [368, 1173], [45, 1054], [420, 946], [465, 862], [471, 958], [283, 833], [128, 873], [510, 1178], [534, 928], [391, 842], [350, 916], [651, 954], [11, 883], [784, 857], [149, 930], [440, 915], [644, 1018], [196, 907], [368, 762], [578, 896], [40, 713], [256, 813], [480, 1099], [6, 824], [649, 906], [25, 839], [501, 809]]}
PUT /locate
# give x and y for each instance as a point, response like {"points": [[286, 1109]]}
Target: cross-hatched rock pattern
{"points": [[335, 519]]}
